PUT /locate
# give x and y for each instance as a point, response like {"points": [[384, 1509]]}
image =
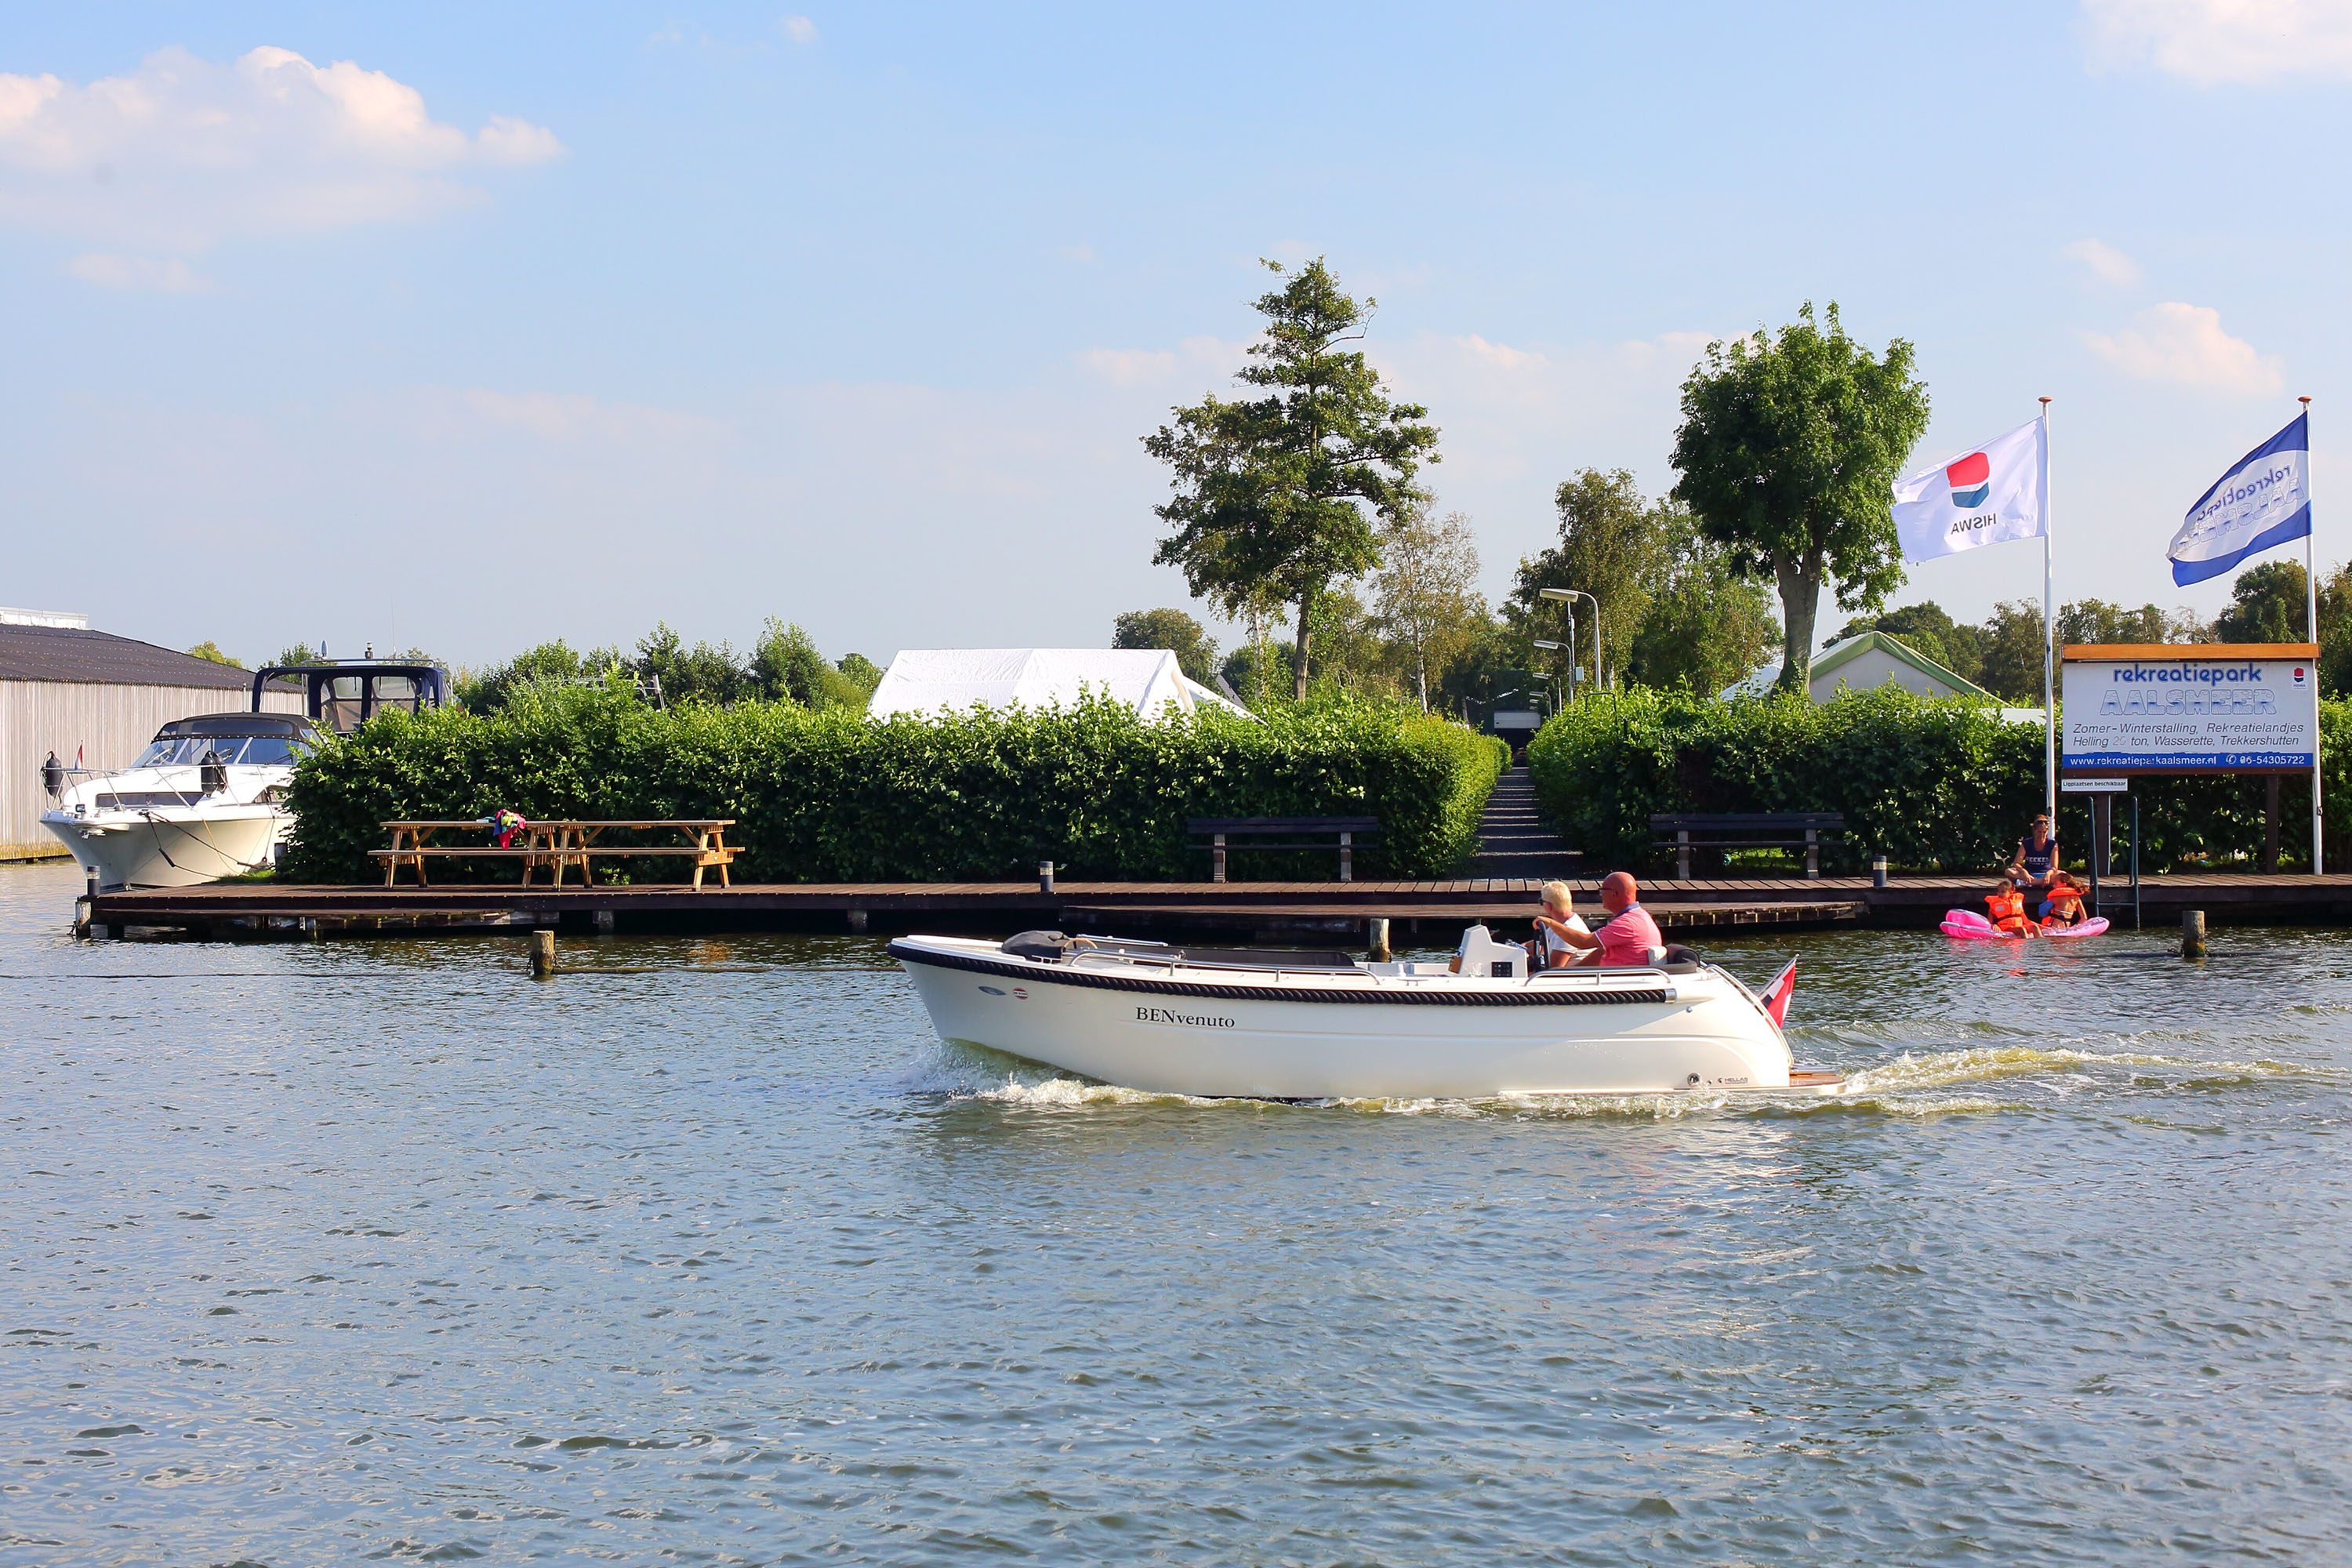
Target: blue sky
{"points": [[554, 321]]}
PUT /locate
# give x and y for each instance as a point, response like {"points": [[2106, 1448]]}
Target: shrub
{"points": [[1932, 783], [833, 796]]}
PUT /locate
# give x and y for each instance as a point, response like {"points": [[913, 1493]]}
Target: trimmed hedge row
{"points": [[836, 796], [1934, 784]]}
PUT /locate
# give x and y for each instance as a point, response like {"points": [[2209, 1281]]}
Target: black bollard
{"points": [[1878, 871], [1044, 876]]}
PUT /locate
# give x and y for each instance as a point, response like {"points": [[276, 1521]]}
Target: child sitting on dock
{"points": [[2005, 907]]}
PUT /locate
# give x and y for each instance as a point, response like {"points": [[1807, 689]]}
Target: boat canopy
{"points": [[344, 694], [941, 680], [238, 726]]}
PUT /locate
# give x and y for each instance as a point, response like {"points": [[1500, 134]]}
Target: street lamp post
{"points": [[1568, 596], [1555, 648]]}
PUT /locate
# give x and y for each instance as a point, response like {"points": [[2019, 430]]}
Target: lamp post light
{"points": [[1555, 648], [1568, 596]]}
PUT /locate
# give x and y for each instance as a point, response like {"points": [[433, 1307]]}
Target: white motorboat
{"points": [[1319, 1025], [203, 801], [206, 799]]}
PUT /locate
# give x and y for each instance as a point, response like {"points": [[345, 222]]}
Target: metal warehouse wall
{"points": [[110, 723]]}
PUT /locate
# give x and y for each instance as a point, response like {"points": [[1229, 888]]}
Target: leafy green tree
{"points": [[1426, 595], [2266, 605], [1174, 630], [1354, 657], [2012, 666], [2096, 621], [701, 673], [209, 651], [787, 668], [1261, 670], [550, 663], [1613, 544], [298, 656], [1277, 495], [861, 673], [1707, 626], [1789, 451]]}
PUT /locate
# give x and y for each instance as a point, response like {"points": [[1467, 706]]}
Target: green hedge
{"points": [[836, 796], [1933, 784]]}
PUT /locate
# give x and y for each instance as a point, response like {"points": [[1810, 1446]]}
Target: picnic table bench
{"points": [[560, 842], [1218, 830], [1688, 831]]}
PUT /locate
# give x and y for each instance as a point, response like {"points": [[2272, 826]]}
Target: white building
{"points": [[70, 692], [947, 679], [1872, 659]]}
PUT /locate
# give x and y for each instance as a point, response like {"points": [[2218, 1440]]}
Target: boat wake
{"points": [[1971, 1080]]}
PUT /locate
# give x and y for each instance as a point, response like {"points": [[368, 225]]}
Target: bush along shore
{"points": [[835, 796], [1934, 784]]}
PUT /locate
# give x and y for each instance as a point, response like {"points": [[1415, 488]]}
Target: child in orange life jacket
{"points": [[2005, 907], [2065, 905]]}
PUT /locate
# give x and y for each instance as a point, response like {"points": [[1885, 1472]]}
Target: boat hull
{"points": [[168, 847], [1311, 1038]]}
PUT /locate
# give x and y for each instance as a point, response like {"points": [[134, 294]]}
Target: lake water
{"points": [[382, 1251]]}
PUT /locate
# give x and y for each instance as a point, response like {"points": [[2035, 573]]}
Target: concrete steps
{"points": [[1514, 839]]}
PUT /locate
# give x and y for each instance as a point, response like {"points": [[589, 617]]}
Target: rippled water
{"points": [[384, 1251]]}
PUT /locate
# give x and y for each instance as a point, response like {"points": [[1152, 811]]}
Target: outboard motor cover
{"points": [[1046, 946]]}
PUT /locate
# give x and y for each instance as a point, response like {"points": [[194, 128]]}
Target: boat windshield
{"points": [[258, 751]]}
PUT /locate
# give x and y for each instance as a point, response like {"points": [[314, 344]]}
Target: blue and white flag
{"points": [[1995, 493], [2264, 499]]}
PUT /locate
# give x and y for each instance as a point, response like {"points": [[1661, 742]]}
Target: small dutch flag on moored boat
{"points": [[1776, 995]]}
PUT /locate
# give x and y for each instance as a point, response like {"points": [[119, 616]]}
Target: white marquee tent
{"points": [[944, 680]]}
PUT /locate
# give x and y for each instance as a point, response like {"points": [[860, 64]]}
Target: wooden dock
{"points": [[1431, 912]]}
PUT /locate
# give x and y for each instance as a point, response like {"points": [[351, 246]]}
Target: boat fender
{"points": [[1690, 1082]]}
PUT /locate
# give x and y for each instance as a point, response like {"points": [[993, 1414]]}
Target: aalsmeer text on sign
{"points": [[2194, 710]]}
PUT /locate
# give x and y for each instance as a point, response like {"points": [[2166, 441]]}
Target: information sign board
{"points": [[2215, 708]]}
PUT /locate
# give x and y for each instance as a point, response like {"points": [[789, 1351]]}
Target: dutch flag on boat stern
{"points": [[1776, 995], [2264, 500]]}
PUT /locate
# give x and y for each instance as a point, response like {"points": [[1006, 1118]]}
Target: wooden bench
{"points": [[1218, 830], [553, 845], [1806, 830]]}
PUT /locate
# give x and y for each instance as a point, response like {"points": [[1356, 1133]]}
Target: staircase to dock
{"points": [[1513, 839]]}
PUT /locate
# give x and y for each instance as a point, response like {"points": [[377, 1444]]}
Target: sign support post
{"points": [[2049, 643], [2311, 608]]}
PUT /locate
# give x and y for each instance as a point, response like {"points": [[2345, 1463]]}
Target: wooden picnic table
{"points": [[559, 842]]}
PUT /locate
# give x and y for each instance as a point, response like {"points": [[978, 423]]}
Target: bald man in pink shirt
{"points": [[1628, 937]]}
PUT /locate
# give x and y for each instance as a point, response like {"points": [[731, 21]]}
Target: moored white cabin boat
{"points": [[1317, 1026]]}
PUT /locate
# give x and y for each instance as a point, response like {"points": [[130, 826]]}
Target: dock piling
{"points": [[542, 954], [2192, 933], [1379, 932], [603, 922], [857, 922]]}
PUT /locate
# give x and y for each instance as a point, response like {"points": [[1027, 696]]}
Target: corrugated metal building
{"points": [[64, 687]]}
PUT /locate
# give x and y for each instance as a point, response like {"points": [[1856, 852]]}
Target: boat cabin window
{"points": [[345, 701], [173, 750]]}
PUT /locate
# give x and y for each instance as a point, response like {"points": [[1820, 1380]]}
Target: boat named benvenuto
{"points": [[1304, 1025]]}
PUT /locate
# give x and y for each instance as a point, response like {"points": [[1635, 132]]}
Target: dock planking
{"points": [[1266, 910]]}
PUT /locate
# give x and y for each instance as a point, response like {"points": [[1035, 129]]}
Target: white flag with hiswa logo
{"points": [[1997, 492]]}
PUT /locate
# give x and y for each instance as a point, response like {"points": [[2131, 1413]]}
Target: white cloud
{"points": [[566, 416], [138, 273], [183, 151], [799, 30], [1501, 356], [2107, 264], [1130, 367], [2185, 345], [1209, 357], [2214, 41]]}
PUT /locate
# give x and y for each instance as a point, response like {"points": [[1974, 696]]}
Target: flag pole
{"points": [[2311, 609], [2049, 644]]}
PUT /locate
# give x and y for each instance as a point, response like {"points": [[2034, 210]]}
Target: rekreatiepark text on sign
{"points": [[2217, 708]]}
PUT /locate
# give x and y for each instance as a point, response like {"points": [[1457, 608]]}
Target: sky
{"points": [[468, 327]]}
